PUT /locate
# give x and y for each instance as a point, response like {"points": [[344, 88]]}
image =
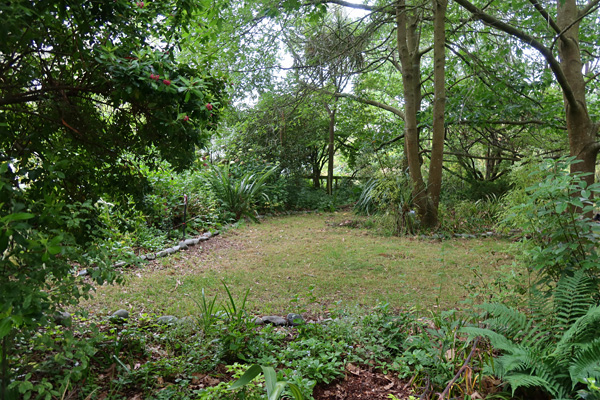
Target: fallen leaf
{"points": [[352, 369]]}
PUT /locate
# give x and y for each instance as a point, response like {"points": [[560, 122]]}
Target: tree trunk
{"points": [[331, 149], [410, 59], [581, 130], [434, 184]]}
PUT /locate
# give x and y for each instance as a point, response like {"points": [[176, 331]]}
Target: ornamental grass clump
{"points": [[238, 195]]}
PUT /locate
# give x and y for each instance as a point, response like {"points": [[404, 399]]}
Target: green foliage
{"points": [[238, 194], [552, 214], [470, 216], [273, 386], [39, 249], [555, 348], [389, 196]]}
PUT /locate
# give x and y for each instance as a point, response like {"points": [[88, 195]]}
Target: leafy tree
{"points": [[560, 33], [84, 85]]}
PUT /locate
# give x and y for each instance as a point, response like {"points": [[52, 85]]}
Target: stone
{"points": [[167, 319], [63, 318], [275, 320], [83, 272], [191, 242], [143, 257], [150, 256], [202, 239], [182, 245], [208, 235], [258, 321], [120, 264], [187, 321], [294, 319], [173, 249], [120, 314], [162, 253]]}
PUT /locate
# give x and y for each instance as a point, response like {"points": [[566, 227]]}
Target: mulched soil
{"points": [[362, 383]]}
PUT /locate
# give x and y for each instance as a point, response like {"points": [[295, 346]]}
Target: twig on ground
{"points": [[443, 395]]}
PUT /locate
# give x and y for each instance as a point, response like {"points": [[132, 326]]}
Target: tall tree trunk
{"points": [[410, 60], [331, 148], [580, 128], [434, 183]]}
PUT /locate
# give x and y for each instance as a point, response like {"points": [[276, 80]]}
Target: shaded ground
{"points": [[311, 257], [363, 384]]}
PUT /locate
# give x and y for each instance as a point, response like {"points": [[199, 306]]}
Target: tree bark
{"points": [[434, 183], [410, 60], [331, 147], [581, 130]]}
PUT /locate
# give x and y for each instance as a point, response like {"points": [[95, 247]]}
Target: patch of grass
{"points": [[291, 256]]}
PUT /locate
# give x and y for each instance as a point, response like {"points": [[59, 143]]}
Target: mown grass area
{"points": [[312, 259]]}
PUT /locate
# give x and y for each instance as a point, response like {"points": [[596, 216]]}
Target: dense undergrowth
{"points": [[541, 343]]}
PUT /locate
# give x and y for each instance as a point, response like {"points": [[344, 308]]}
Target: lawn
{"points": [[308, 262]]}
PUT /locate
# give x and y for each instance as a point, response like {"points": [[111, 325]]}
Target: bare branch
{"points": [[386, 143], [588, 7]]}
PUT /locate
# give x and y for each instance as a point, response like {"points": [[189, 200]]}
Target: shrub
{"points": [[559, 237], [389, 197]]}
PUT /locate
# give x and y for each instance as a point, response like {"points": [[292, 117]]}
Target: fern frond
{"points": [[573, 297], [582, 328], [525, 380], [520, 358], [510, 322], [586, 363], [497, 340]]}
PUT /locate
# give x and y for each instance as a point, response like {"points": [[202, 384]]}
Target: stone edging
{"points": [[183, 245]]}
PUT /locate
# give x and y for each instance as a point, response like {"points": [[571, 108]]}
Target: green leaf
{"points": [[248, 376], [270, 380], [5, 326], [54, 250], [295, 391], [277, 391], [17, 217]]}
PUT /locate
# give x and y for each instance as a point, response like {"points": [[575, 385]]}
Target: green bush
{"points": [[559, 237], [470, 216], [389, 197]]}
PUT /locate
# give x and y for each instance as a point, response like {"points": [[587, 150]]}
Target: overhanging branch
{"points": [[527, 39]]}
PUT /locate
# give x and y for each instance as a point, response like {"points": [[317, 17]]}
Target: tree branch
{"points": [[527, 39], [589, 6], [382, 145], [545, 14], [378, 104], [581, 16]]}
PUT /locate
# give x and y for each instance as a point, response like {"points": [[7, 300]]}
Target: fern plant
{"points": [[555, 348]]}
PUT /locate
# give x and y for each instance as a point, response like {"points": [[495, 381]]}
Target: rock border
{"points": [[183, 245]]}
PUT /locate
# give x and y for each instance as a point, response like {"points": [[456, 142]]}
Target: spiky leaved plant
{"points": [[555, 348], [238, 195]]}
